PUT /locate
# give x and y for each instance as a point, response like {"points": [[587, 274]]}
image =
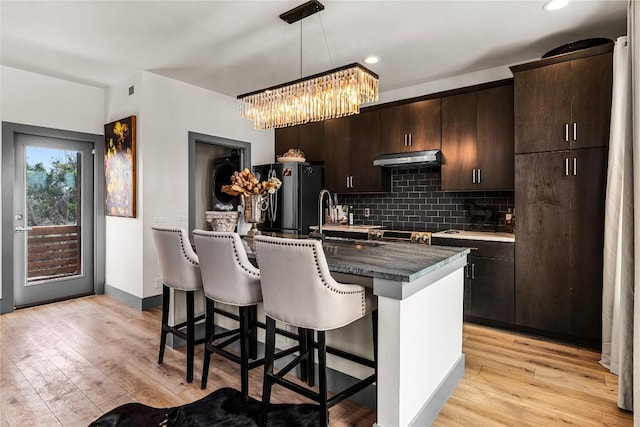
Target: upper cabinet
{"points": [[477, 140], [308, 137], [410, 127], [562, 105], [351, 145]]}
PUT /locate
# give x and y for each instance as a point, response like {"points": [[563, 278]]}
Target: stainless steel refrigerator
{"points": [[294, 207]]}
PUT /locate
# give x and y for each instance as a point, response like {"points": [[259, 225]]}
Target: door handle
{"points": [[575, 166], [410, 140], [405, 140], [479, 177], [473, 176], [473, 271], [566, 166], [566, 132], [347, 182], [351, 181], [575, 131], [23, 229]]}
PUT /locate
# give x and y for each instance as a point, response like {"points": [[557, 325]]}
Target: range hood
{"points": [[413, 158]]}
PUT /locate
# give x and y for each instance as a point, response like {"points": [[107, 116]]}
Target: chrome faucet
{"points": [[319, 232]]}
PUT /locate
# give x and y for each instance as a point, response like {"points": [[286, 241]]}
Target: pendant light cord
{"points": [[325, 41]]}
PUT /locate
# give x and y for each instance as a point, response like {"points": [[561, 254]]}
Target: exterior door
{"points": [[53, 219]]}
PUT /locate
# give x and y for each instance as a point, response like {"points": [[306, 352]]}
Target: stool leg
{"points": [[209, 330], [270, 347], [311, 359], [244, 355], [190, 335], [253, 332], [374, 325], [165, 321], [322, 378], [303, 344]]}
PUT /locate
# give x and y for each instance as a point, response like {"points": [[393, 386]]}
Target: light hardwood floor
{"points": [[67, 363]]}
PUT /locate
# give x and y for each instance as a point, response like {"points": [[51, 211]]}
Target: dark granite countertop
{"points": [[403, 262]]}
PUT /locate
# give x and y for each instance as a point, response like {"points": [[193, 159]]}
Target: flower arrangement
{"points": [[245, 183]]}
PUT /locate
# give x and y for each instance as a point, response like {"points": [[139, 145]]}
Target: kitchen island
{"points": [[420, 297]]}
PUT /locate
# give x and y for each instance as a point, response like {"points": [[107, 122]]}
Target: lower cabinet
{"points": [[489, 280]]}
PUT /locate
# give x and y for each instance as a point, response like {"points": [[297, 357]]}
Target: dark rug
{"points": [[220, 408]]}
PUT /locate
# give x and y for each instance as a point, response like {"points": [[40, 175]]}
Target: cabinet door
{"points": [[542, 108], [587, 241], [492, 289], [337, 140], [495, 157], [543, 287], [425, 125], [394, 126], [311, 141], [365, 148], [286, 138], [458, 141], [591, 82]]}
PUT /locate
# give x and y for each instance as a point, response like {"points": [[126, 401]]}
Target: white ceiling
{"points": [[233, 47]]}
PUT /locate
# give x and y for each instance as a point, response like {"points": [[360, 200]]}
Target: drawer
{"points": [[480, 248]]}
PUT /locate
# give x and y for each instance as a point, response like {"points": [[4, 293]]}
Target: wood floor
{"points": [[67, 363]]}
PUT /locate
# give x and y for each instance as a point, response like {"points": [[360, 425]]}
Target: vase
{"points": [[254, 208]]}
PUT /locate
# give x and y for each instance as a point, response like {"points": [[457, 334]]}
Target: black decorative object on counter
{"points": [[479, 216]]}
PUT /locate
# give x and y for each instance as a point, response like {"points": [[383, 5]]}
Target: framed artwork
{"points": [[120, 167]]}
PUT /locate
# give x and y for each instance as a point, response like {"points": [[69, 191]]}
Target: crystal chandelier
{"points": [[331, 94]]}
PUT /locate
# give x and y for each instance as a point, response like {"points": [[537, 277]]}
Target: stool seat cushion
{"points": [[227, 275], [298, 289]]}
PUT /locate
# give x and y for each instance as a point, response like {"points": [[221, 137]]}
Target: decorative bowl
{"points": [[222, 221]]}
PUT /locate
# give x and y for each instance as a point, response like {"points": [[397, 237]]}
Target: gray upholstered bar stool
{"points": [[179, 269], [229, 278], [297, 289]]}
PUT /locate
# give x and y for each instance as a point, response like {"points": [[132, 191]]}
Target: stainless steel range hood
{"points": [[414, 158]]}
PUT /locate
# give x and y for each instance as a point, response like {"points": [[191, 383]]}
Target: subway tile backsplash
{"points": [[417, 203]]}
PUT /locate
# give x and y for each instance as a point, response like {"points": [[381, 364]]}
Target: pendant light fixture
{"points": [[335, 93]]}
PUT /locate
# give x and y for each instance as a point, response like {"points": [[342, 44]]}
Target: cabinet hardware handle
{"points": [[566, 166], [473, 176], [405, 139], [575, 131], [347, 182], [575, 166], [410, 140], [473, 271], [466, 270], [479, 176], [351, 181], [566, 132]]}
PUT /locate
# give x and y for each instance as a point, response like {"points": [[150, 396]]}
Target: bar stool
{"points": [[179, 269], [229, 278], [298, 290]]}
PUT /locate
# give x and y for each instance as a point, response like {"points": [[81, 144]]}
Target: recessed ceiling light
{"points": [[555, 4], [372, 59]]}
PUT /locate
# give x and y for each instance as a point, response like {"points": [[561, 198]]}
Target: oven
{"points": [[420, 237]]}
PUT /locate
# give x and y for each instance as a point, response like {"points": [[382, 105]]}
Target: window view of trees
{"points": [[52, 191]]}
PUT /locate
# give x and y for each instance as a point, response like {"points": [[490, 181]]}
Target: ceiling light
{"points": [[335, 93], [372, 59], [555, 4]]}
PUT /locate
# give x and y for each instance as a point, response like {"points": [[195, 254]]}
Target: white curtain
{"points": [[620, 316]]}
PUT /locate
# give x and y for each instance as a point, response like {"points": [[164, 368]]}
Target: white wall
{"points": [[167, 111], [38, 100]]}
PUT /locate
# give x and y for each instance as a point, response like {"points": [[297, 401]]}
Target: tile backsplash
{"points": [[416, 202]]}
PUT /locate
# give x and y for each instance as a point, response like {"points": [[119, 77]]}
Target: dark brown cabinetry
{"points": [[477, 140], [308, 137], [563, 105], [560, 183], [410, 127], [560, 211], [351, 145], [489, 280]]}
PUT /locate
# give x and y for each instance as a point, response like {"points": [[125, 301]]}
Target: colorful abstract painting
{"points": [[120, 167]]}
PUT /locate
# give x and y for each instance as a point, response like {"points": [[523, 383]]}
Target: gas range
{"points": [[422, 237]]}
